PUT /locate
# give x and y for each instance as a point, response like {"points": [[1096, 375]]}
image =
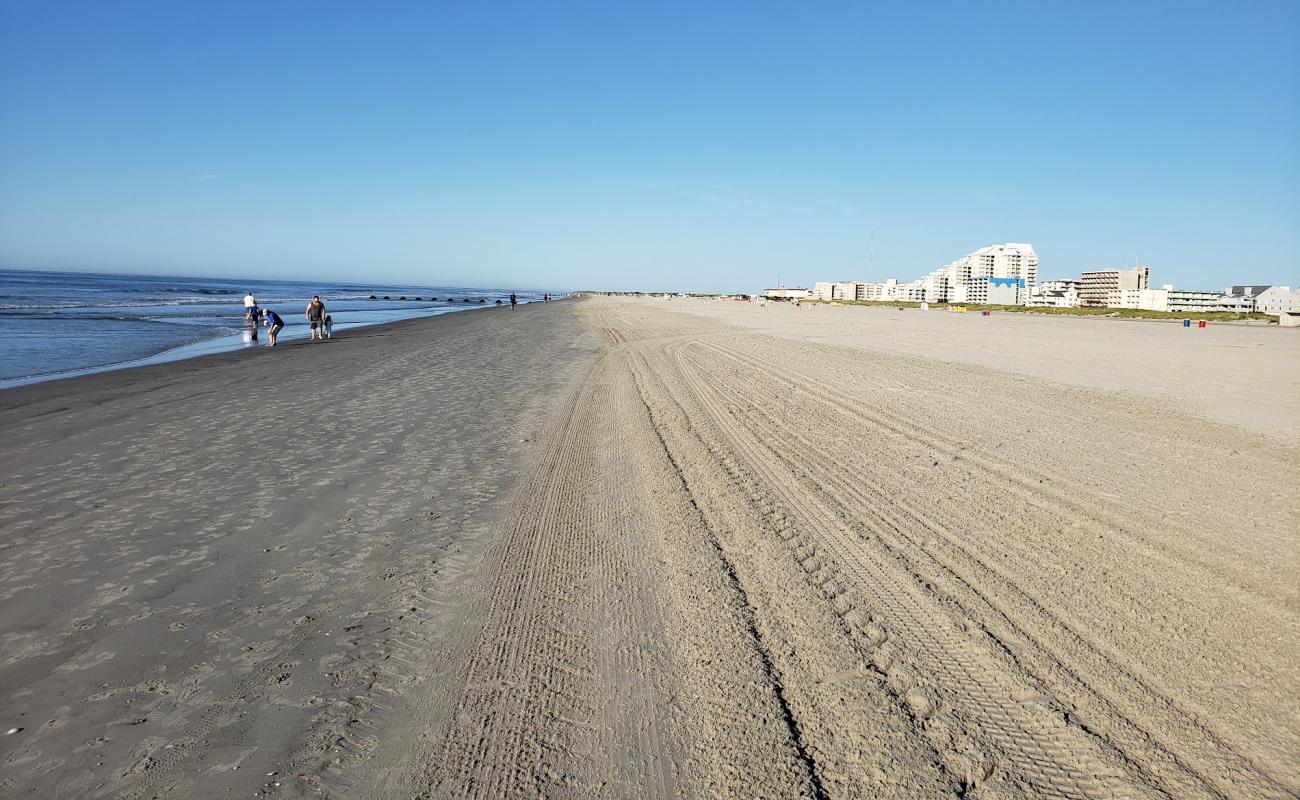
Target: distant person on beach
{"points": [[316, 318], [251, 314], [513, 301], [329, 326], [273, 325]]}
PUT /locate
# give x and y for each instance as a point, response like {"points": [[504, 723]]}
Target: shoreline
{"points": [[217, 345]]}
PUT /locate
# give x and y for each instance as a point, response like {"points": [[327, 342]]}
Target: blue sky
{"points": [[693, 146]]}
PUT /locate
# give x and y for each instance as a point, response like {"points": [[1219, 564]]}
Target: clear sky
{"points": [[692, 146]]}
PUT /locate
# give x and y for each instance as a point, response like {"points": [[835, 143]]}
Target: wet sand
{"points": [[630, 548]]}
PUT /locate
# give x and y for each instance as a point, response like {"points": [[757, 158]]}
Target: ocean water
{"points": [[56, 324]]}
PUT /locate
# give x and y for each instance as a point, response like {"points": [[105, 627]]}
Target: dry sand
{"points": [[632, 548]]}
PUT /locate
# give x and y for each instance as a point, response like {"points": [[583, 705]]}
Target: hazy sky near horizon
{"points": [[692, 146]]}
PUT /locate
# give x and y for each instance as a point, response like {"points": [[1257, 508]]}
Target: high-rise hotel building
{"points": [[999, 274]]}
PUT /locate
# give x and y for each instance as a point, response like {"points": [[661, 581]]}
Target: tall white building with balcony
{"points": [[999, 273]]}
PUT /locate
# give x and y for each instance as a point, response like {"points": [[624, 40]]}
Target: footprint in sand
{"points": [[85, 661]]}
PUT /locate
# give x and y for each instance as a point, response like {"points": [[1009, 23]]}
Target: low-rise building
{"points": [[1278, 300], [1188, 301], [1043, 297], [1155, 299], [1239, 303], [783, 293]]}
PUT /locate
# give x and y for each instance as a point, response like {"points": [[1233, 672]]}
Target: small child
{"points": [[329, 326]]}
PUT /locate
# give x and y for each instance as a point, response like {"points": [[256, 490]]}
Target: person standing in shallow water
{"points": [[252, 314], [513, 301], [316, 318]]}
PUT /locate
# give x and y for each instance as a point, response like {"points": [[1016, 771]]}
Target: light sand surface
{"points": [[634, 548]]}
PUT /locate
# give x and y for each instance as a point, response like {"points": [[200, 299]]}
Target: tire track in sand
{"points": [[1152, 743], [1030, 743], [562, 694]]}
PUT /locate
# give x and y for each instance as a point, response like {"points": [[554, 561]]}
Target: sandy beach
{"points": [[644, 548]]}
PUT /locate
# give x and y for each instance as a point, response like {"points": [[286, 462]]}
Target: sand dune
{"points": [[630, 548]]}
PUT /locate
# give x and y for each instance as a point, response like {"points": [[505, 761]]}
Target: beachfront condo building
{"points": [[1105, 287], [1001, 274], [1278, 300], [1190, 301], [1268, 299]]}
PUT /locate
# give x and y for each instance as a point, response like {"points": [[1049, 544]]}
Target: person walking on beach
{"points": [[513, 301], [329, 326], [273, 325], [316, 318], [251, 314]]}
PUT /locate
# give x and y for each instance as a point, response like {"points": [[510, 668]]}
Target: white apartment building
{"points": [[849, 290], [891, 291], [912, 292], [935, 286], [1278, 300], [1190, 301], [1153, 299], [990, 291], [841, 290], [977, 272]]}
